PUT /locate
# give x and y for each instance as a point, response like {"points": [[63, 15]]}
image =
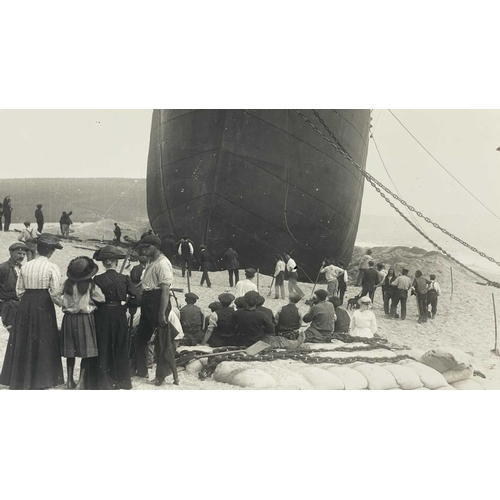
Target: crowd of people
{"points": [[99, 310]]}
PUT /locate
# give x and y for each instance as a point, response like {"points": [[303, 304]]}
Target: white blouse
{"points": [[363, 324]]}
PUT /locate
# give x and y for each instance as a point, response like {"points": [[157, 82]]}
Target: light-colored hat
{"points": [[364, 300]]}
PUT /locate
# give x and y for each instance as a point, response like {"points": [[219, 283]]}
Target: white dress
{"points": [[363, 324]]}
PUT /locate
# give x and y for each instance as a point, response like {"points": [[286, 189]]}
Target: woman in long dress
{"points": [[33, 357], [363, 321], [111, 368]]}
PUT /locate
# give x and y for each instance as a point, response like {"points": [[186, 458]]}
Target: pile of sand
{"points": [[104, 228]]}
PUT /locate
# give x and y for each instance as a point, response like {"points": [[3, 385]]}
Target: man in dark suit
{"points": [[369, 281]]}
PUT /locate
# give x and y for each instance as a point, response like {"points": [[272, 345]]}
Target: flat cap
{"points": [[18, 246], [191, 295], [250, 271], [226, 297], [321, 294], [109, 252], [150, 239]]}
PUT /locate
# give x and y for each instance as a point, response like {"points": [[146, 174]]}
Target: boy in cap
{"points": [[322, 317], [246, 285], [9, 271], [288, 319], [118, 233], [250, 325], [240, 303], [218, 332], [155, 308], [192, 319]]}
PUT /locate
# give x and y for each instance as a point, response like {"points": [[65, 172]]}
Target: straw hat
{"points": [[81, 269]]}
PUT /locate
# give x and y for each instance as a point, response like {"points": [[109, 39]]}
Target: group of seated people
{"points": [[249, 321]]}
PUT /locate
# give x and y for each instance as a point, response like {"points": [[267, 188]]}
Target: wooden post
{"points": [[495, 316], [258, 288], [451, 270], [189, 284]]}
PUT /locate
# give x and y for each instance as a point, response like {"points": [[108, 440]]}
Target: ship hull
{"points": [[262, 181]]}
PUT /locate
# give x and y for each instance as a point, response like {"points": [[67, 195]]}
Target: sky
{"points": [[114, 143]]}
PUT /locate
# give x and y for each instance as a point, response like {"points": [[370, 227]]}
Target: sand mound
{"points": [[103, 229]]}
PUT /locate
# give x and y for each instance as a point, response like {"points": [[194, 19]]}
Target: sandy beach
{"points": [[464, 320]]}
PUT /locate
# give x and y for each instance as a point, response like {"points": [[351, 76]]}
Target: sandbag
{"points": [[253, 378], [422, 389], [294, 381], [226, 370], [406, 378], [431, 378], [379, 379], [467, 385], [453, 376], [488, 384], [446, 358], [446, 388], [352, 379], [195, 366], [322, 379]]}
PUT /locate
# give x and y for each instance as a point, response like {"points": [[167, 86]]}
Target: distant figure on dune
{"points": [[40, 220], [65, 222], [7, 212], [118, 233], [363, 266]]}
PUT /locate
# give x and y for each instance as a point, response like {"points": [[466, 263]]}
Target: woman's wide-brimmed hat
{"points": [[109, 252], [81, 268], [49, 240], [364, 300]]}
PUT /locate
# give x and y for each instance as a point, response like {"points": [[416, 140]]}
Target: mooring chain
{"points": [[378, 186]]}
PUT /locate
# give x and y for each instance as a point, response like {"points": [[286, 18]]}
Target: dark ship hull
{"points": [[262, 181]]}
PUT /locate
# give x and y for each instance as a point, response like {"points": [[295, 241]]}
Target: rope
{"points": [[378, 186], [442, 166]]}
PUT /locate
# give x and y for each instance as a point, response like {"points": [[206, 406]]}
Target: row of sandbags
{"points": [[405, 375]]}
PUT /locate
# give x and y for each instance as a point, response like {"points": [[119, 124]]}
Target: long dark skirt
{"points": [[78, 336], [110, 369], [33, 357]]}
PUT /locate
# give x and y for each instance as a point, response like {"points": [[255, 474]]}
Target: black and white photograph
{"points": [[249, 250]]}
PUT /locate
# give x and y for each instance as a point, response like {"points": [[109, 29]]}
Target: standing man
{"points": [[331, 272], [39, 218], [231, 263], [342, 278], [433, 292], [246, 285], [186, 252], [118, 233], [155, 308], [205, 265], [363, 266], [9, 271], [279, 276], [293, 276], [420, 287], [369, 281], [28, 236], [7, 212], [402, 284], [65, 222], [168, 247]]}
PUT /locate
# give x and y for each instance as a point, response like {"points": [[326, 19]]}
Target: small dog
{"points": [[353, 303]]}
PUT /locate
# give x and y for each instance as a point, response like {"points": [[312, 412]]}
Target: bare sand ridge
{"points": [[464, 321]]}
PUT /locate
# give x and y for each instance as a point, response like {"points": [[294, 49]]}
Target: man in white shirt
{"points": [[331, 272], [186, 252], [363, 266], [433, 292], [246, 285], [293, 276]]}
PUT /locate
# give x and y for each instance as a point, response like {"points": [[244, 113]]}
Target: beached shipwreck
{"points": [[262, 181]]}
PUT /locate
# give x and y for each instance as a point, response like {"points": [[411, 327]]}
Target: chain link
{"points": [[379, 187]]}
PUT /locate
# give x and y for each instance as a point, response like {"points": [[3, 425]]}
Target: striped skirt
{"points": [[78, 336]]}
